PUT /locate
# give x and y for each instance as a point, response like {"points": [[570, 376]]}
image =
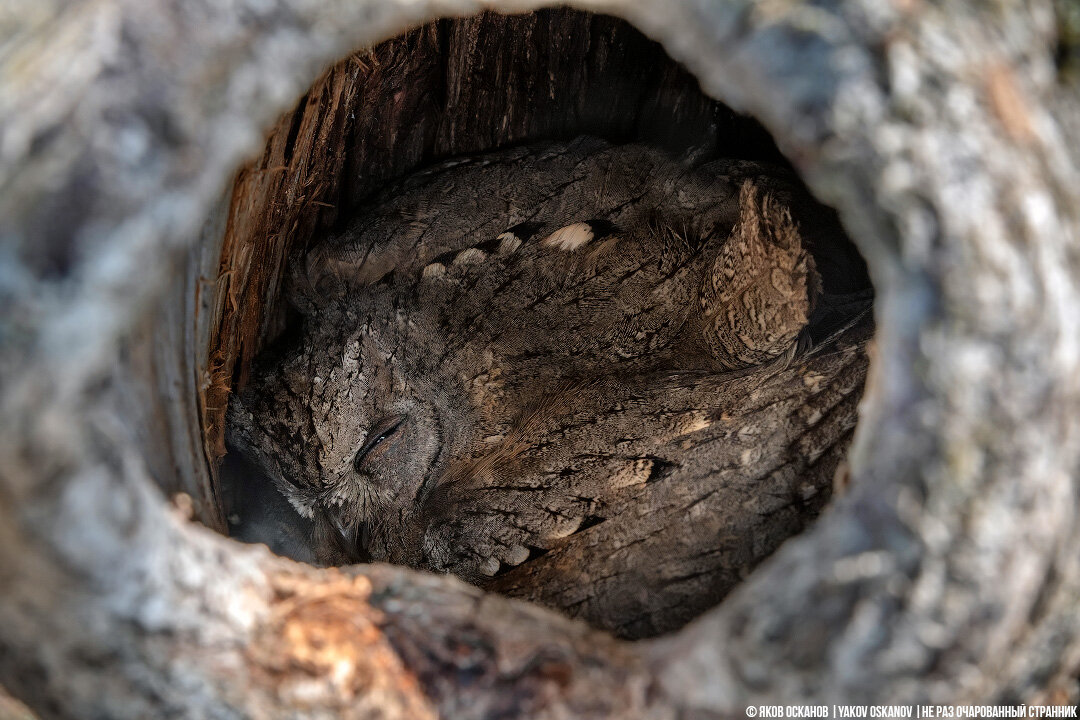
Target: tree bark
{"points": [[949, 573]]}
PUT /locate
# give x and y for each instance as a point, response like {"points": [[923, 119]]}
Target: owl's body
{"points": [[572, 373]]}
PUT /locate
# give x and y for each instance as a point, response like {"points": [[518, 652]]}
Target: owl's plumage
{"points": [[571, 372]]}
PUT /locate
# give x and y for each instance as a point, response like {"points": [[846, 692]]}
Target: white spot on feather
{"points": [[508, 242], [469, 256], [516, 555], [569, 238], [434, 270], [489, 566]]}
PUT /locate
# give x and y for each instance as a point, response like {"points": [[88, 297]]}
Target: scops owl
{"points": [[589, 375]]}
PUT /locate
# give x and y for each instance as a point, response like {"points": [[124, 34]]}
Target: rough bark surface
{"points": [[948, 574]]}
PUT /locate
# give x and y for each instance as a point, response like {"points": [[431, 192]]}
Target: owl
{"points": [[589, 375]]}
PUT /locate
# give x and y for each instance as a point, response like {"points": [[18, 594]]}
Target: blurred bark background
{"points": [[941, 132]]}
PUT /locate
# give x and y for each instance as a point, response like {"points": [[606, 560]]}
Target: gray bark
{"points": [[949, 573]]}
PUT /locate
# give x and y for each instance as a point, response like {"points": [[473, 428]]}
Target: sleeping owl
{"points": [[589, 375]]}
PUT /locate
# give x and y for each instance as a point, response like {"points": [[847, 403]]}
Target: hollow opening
{"points": [[510, 297]]}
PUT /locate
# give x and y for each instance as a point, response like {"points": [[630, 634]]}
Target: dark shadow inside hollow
{"points": [[709, 445]]}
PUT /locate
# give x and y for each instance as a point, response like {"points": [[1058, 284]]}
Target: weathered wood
{"points": [[948, 573]]}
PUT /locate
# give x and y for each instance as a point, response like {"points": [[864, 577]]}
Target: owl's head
{"points": [[343, 429]]}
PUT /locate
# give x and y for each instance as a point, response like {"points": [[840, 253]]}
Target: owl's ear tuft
{"points": [[326, 272], [312, 277], [758, 293]]}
